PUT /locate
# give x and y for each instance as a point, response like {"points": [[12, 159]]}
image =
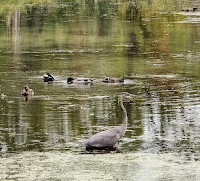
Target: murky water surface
{"points": [[156, 50]]}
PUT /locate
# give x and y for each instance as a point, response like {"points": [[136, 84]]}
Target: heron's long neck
{"points": [[124, 117]]}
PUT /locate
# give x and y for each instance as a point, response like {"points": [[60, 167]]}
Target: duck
{"points": [[48, 77], [80, 80], [113, 80], [3, 95], [27, 91], [190, 9]]}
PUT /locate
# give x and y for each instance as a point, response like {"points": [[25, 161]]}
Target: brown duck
{"points": [[113, 80], [27, 91]]}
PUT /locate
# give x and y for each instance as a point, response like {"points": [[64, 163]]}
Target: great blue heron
{"points": [[107, 139], [27, 91], [80, 80], [48, 77], [113, 80]]}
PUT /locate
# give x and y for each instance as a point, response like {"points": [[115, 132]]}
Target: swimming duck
{"points": [[113, 80], [3, 95], [48, 77], [27, 91], [190, 9], [80, 80]]}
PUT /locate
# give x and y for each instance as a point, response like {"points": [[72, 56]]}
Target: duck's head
{"points": [[3, 95], [26, 87], [48, 77], [105, 79], [70, 80], [121, 79]]}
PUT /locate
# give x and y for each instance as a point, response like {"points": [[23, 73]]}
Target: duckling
{"points": [[27, 91], [48, 77], [81, 80], [113, 80]]}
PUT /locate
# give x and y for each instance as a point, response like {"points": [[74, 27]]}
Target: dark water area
{"points": [[156, 49]]}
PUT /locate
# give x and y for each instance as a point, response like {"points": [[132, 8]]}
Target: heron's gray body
{"points": [[107, 138], [110, 137]]}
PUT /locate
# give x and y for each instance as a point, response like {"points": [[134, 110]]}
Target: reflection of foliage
{"points": [[34, 18], [61, 24], [103, 8], [7, 6], [125, 8], [89, 7], [74, 6], [62, 36]]}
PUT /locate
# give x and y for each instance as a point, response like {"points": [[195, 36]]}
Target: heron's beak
{"points": [[130, 97]]}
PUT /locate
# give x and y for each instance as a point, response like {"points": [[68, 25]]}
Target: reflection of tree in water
{"points": [[134, 15], [35, 17], [4, 123], [131, 11], [29, 63], [13, 28], [133, 45], [165, 125], [104, 19], [89, 7]]}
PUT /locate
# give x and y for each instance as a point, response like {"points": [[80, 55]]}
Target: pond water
{"points": [[156, 49]]}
